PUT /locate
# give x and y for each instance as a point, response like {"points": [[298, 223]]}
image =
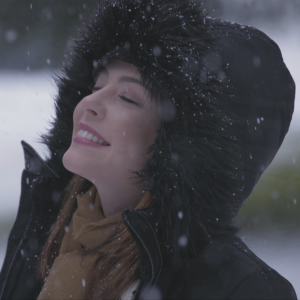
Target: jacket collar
{"points": [[145, 231]]}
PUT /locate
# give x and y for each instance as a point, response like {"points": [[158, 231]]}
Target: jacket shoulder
{"points": [[39, 204], [268, 285], [227, 270], [257, 280]]}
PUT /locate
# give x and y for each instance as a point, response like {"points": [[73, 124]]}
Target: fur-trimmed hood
{"points": [[227, 101]]}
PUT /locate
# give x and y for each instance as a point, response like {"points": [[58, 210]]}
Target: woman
{"points": [[168, 118]]}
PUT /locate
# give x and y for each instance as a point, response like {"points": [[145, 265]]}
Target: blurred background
{"points": [[33, 38]]}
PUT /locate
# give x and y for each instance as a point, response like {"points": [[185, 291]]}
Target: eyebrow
{"points": [[132, 79], [126, 79]]}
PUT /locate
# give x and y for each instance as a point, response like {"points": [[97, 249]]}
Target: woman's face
{"points": [[120, 112]]}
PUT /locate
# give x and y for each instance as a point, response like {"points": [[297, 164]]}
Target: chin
{"points": [[75, 163], [72, 162], [68, 160]]}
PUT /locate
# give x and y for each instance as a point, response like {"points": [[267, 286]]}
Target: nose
{"points": [[93, 105]]}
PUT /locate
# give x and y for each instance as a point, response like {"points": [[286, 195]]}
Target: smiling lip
{"points": [[91, 130]]}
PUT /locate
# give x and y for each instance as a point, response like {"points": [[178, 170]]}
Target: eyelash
{"points": [[128, 100], [122, 97]]}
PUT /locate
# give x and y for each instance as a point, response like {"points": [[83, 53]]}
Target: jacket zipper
{"points": [[151, 261], [160, 255], [14, 257], [148, 252]]}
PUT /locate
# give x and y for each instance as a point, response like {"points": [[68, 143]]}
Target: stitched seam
{"points": [[145, 216], [240, 284], [247, 254], [148, 256]]}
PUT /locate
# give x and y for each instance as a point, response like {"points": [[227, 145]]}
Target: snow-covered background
{"points": [[26, 107]]}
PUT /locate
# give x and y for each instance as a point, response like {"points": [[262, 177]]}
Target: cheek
{"points": [[76, 115], [137, 134], [70, 159], [147, 129], [131, 128]]}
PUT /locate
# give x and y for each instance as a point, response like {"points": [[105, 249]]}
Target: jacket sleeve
{"points": [[15, 251], [27, 237], [269, 285]]}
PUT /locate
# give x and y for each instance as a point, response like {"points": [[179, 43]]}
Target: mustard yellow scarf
{"points": [[69, 273]]}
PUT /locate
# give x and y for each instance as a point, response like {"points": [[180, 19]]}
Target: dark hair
{"points": [[120, 53]]}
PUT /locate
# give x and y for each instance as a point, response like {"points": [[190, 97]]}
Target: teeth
{"points": [[89, 136], [95, 139]]}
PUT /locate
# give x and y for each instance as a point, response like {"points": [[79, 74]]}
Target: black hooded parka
{"points": [[227, 101]]}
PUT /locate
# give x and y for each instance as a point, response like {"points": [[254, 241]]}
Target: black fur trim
{"points": [[196, 172]]}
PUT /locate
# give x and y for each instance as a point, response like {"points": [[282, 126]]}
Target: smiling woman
{"points": [[121, 113], [149, 167]]}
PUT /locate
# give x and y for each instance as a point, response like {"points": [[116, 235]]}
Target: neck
{"points": [[118, 197]]}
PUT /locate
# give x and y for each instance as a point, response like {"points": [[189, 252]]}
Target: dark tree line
{"points": [[35, 33]]}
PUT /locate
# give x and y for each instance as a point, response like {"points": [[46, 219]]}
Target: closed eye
{"points": [[97, 88], [128, 100]]}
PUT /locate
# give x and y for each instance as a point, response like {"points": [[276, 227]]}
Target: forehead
{"points": [[120, 71], [119, 68]]}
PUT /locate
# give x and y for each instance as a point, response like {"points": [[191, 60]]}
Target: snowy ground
{"points": [[26, 107]]}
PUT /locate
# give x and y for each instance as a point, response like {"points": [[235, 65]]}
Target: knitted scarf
{"points": [[70, 271]]}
